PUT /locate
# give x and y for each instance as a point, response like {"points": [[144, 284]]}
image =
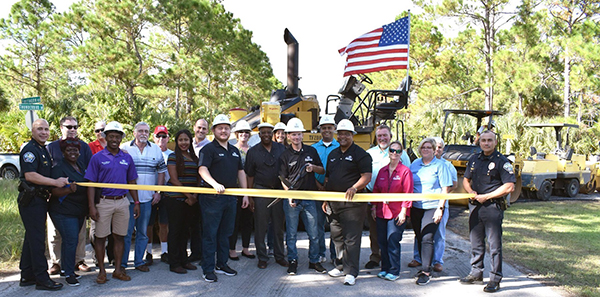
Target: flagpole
{"points": [[408, 54]]}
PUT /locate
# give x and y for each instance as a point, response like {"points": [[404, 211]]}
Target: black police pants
{"points": [[485, 221], [347, 220], [33, 258]]}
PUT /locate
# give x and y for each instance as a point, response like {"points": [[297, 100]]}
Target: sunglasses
{"points": [[162, 135], [398, 151], [99, 130], [71, 127]]}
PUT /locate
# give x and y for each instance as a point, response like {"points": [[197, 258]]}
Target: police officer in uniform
{"points": [[491, 177], [34, 192]]}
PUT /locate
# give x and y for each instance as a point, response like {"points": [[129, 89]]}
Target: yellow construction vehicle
{"points": [[560, 171], [377, 107], [459, 154]]}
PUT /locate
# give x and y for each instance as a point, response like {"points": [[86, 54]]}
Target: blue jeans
{"points": [[321, 220], [141, 238], [306, 210], [218, 221], [439, 241], [68, 227], [389, 236]]}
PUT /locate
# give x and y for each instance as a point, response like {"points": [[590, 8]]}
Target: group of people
{"points": [[211, 222]]}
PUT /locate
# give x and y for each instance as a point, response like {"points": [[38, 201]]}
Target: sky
{"points": [[321, 27]]}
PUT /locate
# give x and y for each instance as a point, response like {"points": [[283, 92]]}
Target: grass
{"points": [[558, 241], [11, 227]]}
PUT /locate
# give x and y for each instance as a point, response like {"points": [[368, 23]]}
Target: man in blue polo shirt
{"points": [[111, 165], [220, 167]]}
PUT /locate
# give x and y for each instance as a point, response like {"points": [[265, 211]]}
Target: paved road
{"points": [[274, 281]]}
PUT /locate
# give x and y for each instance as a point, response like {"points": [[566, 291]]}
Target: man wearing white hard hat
{"points": [[111, 212], [325, 146], [348, 170], [262, 169], [299, 163], [220, 166]]}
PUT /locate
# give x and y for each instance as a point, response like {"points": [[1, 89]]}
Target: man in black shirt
{"points": [[262, 166], [491, 177], [348, 170], [299, 162], [34, 193], [220, 167]]}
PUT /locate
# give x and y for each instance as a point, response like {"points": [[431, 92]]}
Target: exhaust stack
{"points": [[292, 65]]}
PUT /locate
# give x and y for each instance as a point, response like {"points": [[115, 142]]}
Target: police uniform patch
{"points": [[508, 167], [28, 157]]}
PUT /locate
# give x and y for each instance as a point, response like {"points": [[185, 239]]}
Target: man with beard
{"points": [[221, 168], [151, 168], [349, 171], [36, 180], [262, 165], [325, 146]]}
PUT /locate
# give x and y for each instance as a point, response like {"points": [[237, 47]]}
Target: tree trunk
{"points": [[567, 87]]}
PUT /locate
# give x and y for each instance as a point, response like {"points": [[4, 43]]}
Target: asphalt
{"points": [[273, 281]]}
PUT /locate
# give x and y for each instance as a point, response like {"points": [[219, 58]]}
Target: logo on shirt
{"points": [[235, 154], [349, 158], [221, 155], [28, 157], [308, 159], [508, 167], [123, 162], [292, 163], [397, 177], [105, 162], [332, 160]]}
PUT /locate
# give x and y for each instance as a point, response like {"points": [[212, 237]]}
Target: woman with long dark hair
{"points": [[183, 171]]}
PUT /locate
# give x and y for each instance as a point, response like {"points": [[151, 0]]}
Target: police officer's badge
{"points": [[508, 167], [491, 166], [28, 157]]}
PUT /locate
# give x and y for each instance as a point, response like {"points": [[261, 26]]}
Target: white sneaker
{"points": [[322, 259], [335, 272], [350, 280]]}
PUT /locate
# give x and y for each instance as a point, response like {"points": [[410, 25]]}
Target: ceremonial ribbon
{"points": [[293, 194]]}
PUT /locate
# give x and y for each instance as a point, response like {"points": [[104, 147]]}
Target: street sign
{"points": [[30, 117], [31, 106], [31, 100]]}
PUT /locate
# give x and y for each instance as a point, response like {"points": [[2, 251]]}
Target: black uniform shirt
{"points": [[344, 169], [35, 158], [292, 166], [489, 173], [223, 164], [264, 165], [72, 204]]}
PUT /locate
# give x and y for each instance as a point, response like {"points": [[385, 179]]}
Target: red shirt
{"points": [[95, 146], [401, 181]]}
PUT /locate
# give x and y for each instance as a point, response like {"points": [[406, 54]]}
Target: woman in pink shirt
{"points": [[391, 217]]}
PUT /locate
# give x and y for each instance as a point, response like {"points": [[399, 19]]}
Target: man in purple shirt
{"points": [[111, 165]]}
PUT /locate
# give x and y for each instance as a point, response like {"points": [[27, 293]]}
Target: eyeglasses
{"points": [[99, 130], [398, 151], [162, 135], [71, 127]]}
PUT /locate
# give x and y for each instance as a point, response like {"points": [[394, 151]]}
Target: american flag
{"points": [[384, 48]]}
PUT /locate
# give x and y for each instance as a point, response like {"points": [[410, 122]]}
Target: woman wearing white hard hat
{"points": [[243, 218], [279, 134]]}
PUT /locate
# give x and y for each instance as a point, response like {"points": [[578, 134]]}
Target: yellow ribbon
{"points": [[293, 194]]}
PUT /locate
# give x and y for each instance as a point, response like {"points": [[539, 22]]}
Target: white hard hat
{"points": [[265, 125], [294, 125], [327, 120], [279, 126], [241, 125], [346, 125], [114, 126], [221, 119]]}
